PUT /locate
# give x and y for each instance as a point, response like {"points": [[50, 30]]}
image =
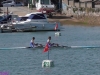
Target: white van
{"points": [[45, 6]]}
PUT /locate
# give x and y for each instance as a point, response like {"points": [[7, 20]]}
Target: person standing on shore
{"points": [[32, 44]]}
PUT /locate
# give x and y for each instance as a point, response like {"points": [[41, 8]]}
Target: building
{"points": [[77, 3], [58, 3], [83, 3]]}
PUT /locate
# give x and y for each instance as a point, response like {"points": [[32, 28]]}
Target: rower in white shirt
{"points": [[49, 41], [32, 44]]}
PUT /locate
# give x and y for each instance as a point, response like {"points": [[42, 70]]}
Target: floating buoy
{"points": [[57, 34], [47, 63]]}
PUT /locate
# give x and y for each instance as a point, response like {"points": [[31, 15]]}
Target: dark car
{"points": [[97, 2], [1, 5], [5, 19], [19, 4]]}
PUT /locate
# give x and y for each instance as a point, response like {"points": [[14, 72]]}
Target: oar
{"points": [[85, 46], [51, 47], [5, 48], [12, 48]]}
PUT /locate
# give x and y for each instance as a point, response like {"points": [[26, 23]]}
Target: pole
{"points": [[59, 5], [7, 11], [48, 54], [7, 14], [85, 4], [79, 4], [73, 3], [68, 2], [93, 4]]}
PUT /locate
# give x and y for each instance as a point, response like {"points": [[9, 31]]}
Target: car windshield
{"points": [[18, 2], [44, 1], [1, 17], [4, 2], [7, 2]]}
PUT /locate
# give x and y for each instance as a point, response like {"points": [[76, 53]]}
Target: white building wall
{"points": [[77, 4]]}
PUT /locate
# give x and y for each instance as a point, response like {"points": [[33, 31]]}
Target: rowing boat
{"points": [[52, 47], [36, 47], [65, 47]]}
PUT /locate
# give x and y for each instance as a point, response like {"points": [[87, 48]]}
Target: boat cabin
{"points": [[37, 16], [22, 18]]}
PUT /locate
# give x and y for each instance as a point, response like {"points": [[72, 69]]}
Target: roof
{"points": [[33, 13]]}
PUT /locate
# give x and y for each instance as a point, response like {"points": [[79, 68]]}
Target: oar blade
{"points": [[85, 46]]}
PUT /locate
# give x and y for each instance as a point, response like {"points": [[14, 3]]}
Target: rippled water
{"points": [[79, 61]]}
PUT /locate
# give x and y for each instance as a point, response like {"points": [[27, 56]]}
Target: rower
{"points": [[32, 44], [51, 44], [49, 41]]}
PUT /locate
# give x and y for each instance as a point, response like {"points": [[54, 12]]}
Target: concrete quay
{"points": [[22, 11], [87, 20]]}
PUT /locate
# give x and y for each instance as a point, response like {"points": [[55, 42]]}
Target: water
{"points": [[82, 61]]}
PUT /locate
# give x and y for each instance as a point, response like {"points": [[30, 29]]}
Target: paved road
{"points": [[21, 11]]}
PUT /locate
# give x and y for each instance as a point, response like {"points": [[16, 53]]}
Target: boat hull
{"points": [[40, 26]]}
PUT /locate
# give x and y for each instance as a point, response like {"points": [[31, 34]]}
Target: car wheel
{"points": [[12, 5]]}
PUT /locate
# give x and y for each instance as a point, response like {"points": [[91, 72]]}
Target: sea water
{"points": [[71, 61]]}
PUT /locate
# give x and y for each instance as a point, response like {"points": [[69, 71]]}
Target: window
{"points": [[4, 2], [18, 3], [1, 17], [37, 16], [37, 1], [7, 2], [22, 18], [45, 2]]}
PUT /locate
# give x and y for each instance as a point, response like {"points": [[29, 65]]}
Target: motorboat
{"points": [[36, 21]]}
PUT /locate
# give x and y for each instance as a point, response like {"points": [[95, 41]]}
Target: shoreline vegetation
{"points": [[84, 21], [80, 16]]}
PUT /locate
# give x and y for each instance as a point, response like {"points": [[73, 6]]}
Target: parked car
{"points": [[97, 2], [8, 3], [1, 5], [19, 4], [11, 4], [5, 18]]}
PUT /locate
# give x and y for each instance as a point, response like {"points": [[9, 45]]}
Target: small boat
{"points": [[36, 47], [52, 47], [37, 20]]}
